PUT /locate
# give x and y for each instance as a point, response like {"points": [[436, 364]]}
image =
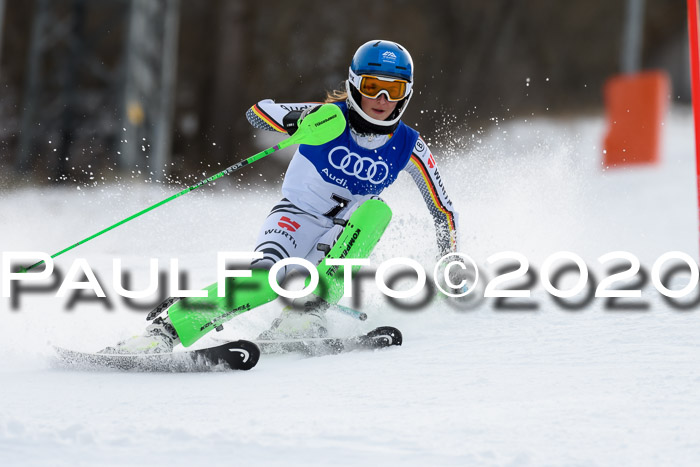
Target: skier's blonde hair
{"points": [[336, 95]]}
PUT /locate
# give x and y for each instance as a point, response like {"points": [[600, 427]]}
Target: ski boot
{"points": [[160, 337], [306, 318]]}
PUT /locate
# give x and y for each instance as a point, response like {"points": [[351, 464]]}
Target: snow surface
{"points": [[472, 385]]}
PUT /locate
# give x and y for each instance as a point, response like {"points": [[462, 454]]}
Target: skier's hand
{"points": [[459, 279], [293, 119]]}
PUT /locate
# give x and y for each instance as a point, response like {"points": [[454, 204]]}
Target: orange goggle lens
{"points": [[371, 86]]}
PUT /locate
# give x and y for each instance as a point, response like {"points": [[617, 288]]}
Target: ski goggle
{"points": [[372, 86]]}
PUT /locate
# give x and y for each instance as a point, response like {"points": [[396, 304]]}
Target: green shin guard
{"points": [[361, 234], [192, 318]]}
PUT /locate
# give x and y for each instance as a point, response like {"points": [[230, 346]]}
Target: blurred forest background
{"points": [[101, 88]]}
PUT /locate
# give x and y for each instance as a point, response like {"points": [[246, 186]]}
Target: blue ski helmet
{"points": [[384, 59]]}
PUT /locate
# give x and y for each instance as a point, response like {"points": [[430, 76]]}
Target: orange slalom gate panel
{"points": [[636, 105]]}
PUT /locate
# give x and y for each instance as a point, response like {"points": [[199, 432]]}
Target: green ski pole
{"points": [[318, 127]]}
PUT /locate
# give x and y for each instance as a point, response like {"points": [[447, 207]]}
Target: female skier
{"points": [[323, 184], [327, 183]]}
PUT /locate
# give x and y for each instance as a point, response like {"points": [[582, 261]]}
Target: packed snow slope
{"points": [[472, 384]]}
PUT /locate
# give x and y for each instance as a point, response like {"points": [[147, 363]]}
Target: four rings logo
{"points": [[362, 168]]}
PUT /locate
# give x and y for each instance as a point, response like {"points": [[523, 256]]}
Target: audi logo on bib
{"points": [[362, 168]]}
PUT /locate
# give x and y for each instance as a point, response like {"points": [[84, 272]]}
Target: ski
{"points": [[236, 355], [231, 355], [381, 337]]}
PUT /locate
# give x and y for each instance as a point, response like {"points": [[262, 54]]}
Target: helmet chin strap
{"points": [[357, 108]]}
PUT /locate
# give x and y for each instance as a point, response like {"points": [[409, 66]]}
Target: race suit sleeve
{"points": [[425, 173], [268, 115]]}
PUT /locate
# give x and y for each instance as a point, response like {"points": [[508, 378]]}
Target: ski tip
{"points": [[239, 355], [392, 335]]}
